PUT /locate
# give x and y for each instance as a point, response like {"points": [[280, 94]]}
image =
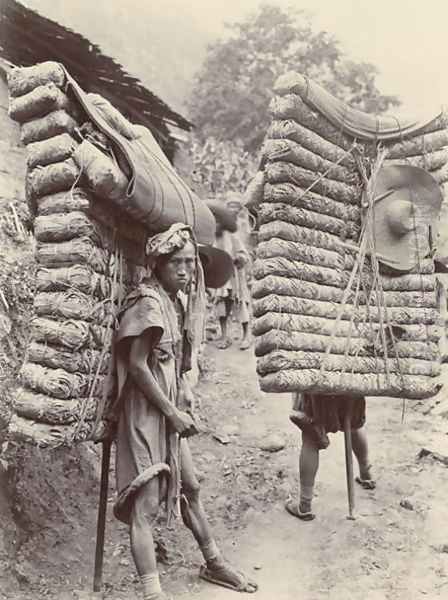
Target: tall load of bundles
{"points": [[90, 226], [344, 298]]}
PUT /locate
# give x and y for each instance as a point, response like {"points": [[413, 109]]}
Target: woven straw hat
{"points": [[217, 265], [407, 201]]}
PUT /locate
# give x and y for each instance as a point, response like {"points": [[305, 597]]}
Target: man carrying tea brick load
{"points": [[154, 464], [402, 192], [317, 415], [233, 298]]}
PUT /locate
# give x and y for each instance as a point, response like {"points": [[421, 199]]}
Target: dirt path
{"points": [[397, 548]]}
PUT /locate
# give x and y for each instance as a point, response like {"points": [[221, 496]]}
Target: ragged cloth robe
{"points": [[145, 445]]}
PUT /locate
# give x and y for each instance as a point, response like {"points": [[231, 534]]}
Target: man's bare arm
{"points": [[141, 348]]}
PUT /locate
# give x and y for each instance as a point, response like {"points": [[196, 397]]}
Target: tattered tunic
{"points": [[146, 448], [329, 410]]}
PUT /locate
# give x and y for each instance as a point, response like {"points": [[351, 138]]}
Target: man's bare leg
{"points": [[223, 341], [224, 309], [308, 467], [217, 570], [142, 544], [245, 343], [361, 451], [193, 513]]}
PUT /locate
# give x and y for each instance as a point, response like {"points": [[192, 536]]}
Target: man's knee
{"points": [[359, 436], [308, 441], [146, 506]]}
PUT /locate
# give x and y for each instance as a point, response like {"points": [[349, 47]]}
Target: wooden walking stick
{"points": [[101, 522], [349, 459]]}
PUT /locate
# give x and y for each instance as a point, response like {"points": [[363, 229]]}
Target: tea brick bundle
{"points": [[328, 317], [87, 255]]}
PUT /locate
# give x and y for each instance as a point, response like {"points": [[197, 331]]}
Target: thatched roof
{"points": [[28, 38]]}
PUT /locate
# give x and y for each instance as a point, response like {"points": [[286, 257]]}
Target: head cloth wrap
{"points": [[167, 242]]}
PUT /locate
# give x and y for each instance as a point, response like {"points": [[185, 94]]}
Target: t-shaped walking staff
{"points": [[102, 510], [106, 438], [349, 458]]}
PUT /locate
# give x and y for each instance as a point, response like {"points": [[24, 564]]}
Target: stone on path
{"points": [[273, 443]]}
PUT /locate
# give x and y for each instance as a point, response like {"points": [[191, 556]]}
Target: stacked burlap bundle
{"points": [[86, 256], [325, 320]]}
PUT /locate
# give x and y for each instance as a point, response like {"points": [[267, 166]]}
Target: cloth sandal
{"points": [[367, 484], [292, 507], [223, 573]]}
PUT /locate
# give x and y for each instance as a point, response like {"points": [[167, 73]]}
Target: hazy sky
{"points": [[406, 39]]}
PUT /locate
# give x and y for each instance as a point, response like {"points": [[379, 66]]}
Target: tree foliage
{"points": [[215, 169], [232, 90], [219, 167]]}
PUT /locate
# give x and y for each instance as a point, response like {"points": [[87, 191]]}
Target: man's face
{"points": [[176, 273]]}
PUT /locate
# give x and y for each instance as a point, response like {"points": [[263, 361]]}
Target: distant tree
{"points": [[232, 90]]}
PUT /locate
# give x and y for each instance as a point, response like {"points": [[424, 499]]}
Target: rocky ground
{"points": [[397, 548]]}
